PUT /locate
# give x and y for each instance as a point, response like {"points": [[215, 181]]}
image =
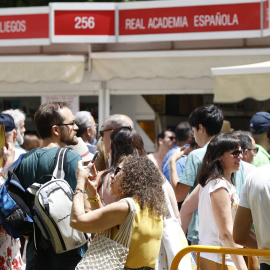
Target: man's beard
{"points": [[19, 137], [92, 138], [67, 139]]}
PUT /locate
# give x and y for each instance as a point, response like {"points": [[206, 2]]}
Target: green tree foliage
{"points": [[33, 3]]}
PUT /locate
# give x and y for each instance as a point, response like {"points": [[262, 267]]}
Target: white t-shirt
{"points": [[208, 229], [256, 197], [18, 152], [248, 168]]}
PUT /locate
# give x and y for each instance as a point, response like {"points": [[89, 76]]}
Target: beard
{"points": [[93, 138], [20, 138], [68, 139]]}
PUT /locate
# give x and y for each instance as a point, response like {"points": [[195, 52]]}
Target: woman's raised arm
{"points": [[103, 217]]}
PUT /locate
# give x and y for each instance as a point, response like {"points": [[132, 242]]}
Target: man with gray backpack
{"points": [[56, 126]]}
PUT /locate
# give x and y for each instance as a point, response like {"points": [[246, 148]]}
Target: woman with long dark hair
{"points": [[124, 141], [216, 200]]}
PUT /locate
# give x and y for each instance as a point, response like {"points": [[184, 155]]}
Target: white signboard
{"points": [[73, 101]]}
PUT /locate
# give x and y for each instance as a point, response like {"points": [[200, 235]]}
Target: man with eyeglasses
{"points": [[111, 123], [247, 145], [184, 135], [166, 140], [56, 126], [87, 129], [249, 149]]}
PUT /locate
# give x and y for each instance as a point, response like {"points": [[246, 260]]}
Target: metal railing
{"points": [[220, 250]]}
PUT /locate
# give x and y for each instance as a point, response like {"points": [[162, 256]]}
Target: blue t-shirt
{"points": [[189, 177], [91, 147], [34, 167], [180, 164]]}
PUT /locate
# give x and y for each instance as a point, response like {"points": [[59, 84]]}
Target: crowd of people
{"points": [[217, 181]]}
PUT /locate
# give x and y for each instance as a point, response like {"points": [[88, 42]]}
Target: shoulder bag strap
{"points": [[123, 236], [168, 202], [60, 163]]}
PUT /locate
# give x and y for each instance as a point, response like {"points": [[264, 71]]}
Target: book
{"points": [[2, 144]]}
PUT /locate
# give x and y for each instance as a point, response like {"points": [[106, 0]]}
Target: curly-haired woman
{"points": [[217, 201], [135, 177]]}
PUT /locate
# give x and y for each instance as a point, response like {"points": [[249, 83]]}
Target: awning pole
{"points": [[101, 106], [107, 103]]}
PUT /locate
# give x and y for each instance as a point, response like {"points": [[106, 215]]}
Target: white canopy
{"points": [[42, 68], [236, 83]]}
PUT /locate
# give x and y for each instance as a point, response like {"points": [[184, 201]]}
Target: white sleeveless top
{"points": [[208, 230]]}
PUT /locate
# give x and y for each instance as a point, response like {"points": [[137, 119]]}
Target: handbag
{"points": [[105, 253], [173, 240]]}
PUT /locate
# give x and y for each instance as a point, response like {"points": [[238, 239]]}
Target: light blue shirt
{"points": [[180, 164], [91, 148]]}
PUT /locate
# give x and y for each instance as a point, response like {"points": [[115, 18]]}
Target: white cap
{"points": [[82, 149]]}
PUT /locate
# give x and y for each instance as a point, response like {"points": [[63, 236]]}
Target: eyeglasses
{"points": [[237, 153], [67, 124], [117, 170], [101, 132], [120, 128], [172, 138], [96, 126], [116, 130], [255, 150]]}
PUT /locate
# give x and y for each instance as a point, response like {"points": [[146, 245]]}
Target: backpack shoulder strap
{"points": [[60, 163]]}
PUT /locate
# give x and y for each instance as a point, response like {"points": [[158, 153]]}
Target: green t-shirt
{"points": [[34, 167], [262, 157]]}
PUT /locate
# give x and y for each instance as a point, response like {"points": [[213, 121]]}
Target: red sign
{"points": [[81, 22], [134, 22], [25, 26], [265, 15], [190, 19]]}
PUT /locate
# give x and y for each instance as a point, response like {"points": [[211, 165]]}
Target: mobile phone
{"points": [[85, 163]]}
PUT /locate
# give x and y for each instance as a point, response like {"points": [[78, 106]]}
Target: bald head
{"points": [[118, 120], [112, 122]]}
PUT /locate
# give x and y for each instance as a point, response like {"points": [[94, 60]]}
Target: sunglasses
{"points": [[237, 153], [255, 150], [101, 132], [172, 138], [117, 170], [116, 130]]}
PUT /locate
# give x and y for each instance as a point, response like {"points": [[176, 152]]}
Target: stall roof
{"points": [[126, 73], [244, 81], [42, 68]]}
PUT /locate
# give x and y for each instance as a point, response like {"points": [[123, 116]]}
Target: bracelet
{"points": [[78, 190], [97, 199]]}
